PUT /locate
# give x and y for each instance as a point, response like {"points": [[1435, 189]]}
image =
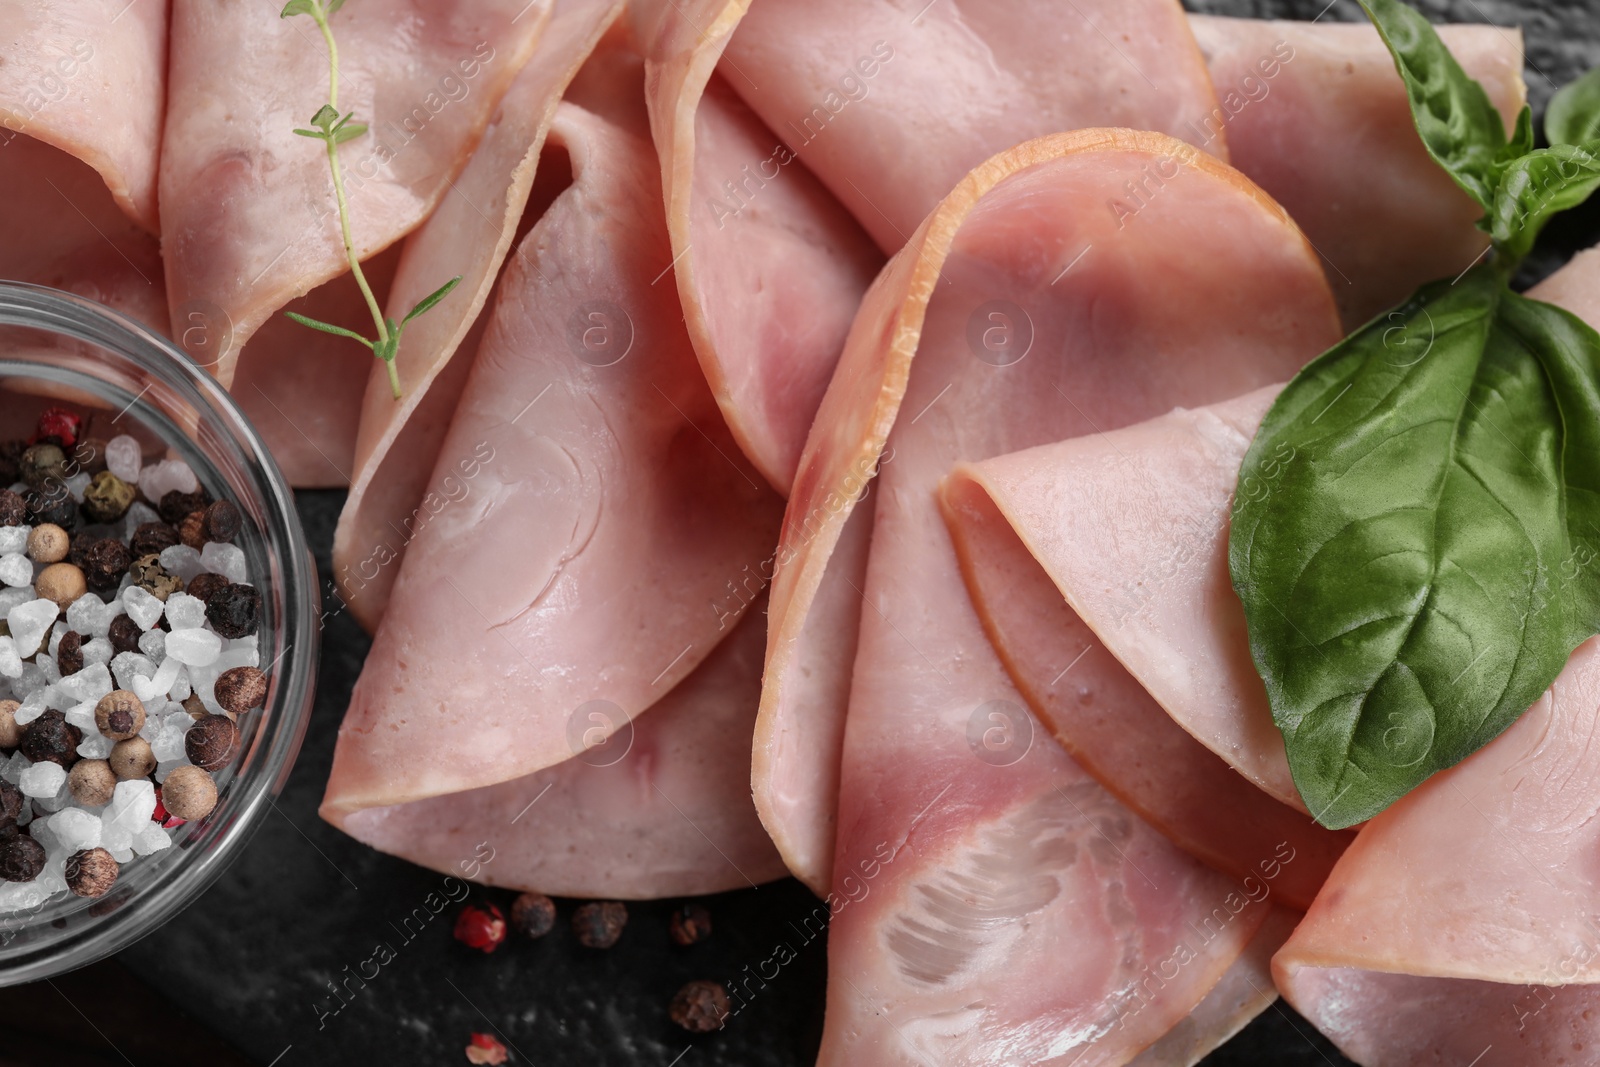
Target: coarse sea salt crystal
{"points": [[142, 607], [16, 569], [77, 483], [121, 855], [181, 687], [33, 705], [185, 612], [91, 683], [95, 745], [21, 896], [76, 829], [47, 664], [89, 615], [10, 598], [126, 666], [29, 622], [166, 767], [196, 648], [168, 744], [183, 561], [153, 643], [124, 457], [14, 538], [42, 779], [98, 651], [150, 689], [62, 797], [131, 805], [151, 839], [227, 560], [10, 662], [12, 768], [82, 716], [160, 478]]}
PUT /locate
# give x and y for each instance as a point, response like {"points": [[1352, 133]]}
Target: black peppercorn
{"points": [[150, 538], [211, 742], [124, 634], [21, 859], [234, 610], [13, 509], [690, 925], [78, 550], [11, 461], [599, 923], [204, 586], [54, 504], [91, 873], [43, 464], [104, 563], [69, 653], [90, 455], [192, 530], [222, 521], [533, 915], [11, 800], [175, 505], [51, 737], [700, 1006]]}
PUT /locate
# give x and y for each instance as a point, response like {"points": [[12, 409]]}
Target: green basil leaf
{"points": [[1573, 116], [333, 5], [296, 7], [1521, 142], [326, 327], [318, 134], [1417, 574], [1535, 187], [426, 303], [342, 133], [1459, 126]]}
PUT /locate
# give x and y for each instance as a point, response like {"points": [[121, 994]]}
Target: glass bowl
{"points": [[57, 348]]}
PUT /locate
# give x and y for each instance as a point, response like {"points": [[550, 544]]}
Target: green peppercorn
{"points": [[43, 464], [106, 498]]}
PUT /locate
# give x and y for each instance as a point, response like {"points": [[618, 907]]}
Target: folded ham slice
{"points": [[769, 266], [1316, 114], [81, 92], [669, 816], [89, 78], [1014, 904], [469, 234], [597, 510], [1091, 520], [890, 102], [248, 220]]}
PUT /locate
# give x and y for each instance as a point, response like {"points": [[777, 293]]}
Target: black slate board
{"points": [[306, 906]]}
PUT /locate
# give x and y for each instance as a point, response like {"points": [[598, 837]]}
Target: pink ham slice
{"points": [[1503, 848], [1020, 520], [469, 235], [602, 507], [81, 92], [247, 208], [670, 817], [891, 102], [1317, 116], [769, 266], [89, 78], [1013, 903]]}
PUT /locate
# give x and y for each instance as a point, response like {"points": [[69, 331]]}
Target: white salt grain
{"points": [[95, 745], [98, 651], [196, 648], [222, 558], [153, 643], [14, 538], [186, 612], [151, 839], [29, 622], [161, 478], [10, 662], [91, 683], [182, 561], [16, 569], [88, 615], [76, 829], [42, 779], [124, 457], [77, 483], [142, 607]]}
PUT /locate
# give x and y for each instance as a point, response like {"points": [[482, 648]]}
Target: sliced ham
{"points": [[668, 815], [1038, 530], [596, 511], [1316, 114], [1244, 991], [89, 78], [248, 219], [769, 266], [81, 93], [1014, 904], [1501, 850], [469, 234], [891, 102]]}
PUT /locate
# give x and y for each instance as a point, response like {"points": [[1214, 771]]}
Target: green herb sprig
{"points": [[333, 129], [1421, 570]]}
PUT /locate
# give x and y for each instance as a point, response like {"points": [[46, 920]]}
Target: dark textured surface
{"points": [[306, 907]]}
